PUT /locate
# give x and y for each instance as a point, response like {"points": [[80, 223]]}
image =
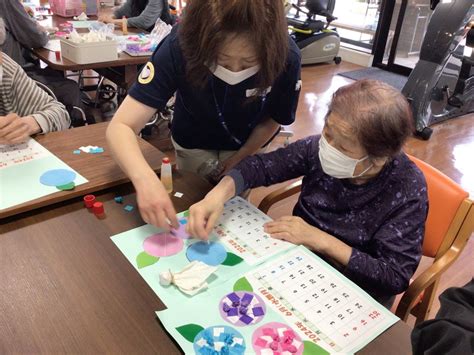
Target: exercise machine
{"points": [[318, 43], [441, 86]]}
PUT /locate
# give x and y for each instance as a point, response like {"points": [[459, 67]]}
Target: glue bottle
{"points": [[124, 26], [166, 175]]}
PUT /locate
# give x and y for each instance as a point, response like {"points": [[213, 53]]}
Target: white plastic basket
{"points": [[87, 53]]}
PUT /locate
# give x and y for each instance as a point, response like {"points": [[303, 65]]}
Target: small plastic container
{"points": [[166, 175]]}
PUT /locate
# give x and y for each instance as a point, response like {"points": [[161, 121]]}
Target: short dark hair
{"points": [[207, 23], [379, 115]]}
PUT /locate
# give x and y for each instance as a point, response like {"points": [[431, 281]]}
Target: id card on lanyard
{"points": [[220, 115]]}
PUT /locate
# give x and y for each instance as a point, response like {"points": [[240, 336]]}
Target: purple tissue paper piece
{"points": [[225, 307], [233, 312], [246, 319], [246, 299], [243, 310], [258, 311], [233, 297]]}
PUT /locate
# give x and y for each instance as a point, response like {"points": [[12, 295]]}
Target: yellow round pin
{"points": [[147, 74]]}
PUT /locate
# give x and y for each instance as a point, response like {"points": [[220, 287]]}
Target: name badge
{"points": [[299, 83], [254, 92]]}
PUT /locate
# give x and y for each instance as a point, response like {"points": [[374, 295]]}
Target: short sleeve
{"points": [[158, 79], [283, 98]]}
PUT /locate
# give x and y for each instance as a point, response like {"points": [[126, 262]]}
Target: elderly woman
{"points": [[25, 109], [363, 203]]}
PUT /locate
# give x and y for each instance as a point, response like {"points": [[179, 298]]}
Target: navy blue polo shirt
{"points": [[195, 123]]}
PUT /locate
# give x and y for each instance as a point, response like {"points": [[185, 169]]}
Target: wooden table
{"points": [[66, 288], [122, 71], [100, 169]]}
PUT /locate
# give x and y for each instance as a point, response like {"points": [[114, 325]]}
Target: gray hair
{"points": [[2, 32]]}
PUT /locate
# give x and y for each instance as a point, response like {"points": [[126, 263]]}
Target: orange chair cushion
{"points": [[444, 196]]}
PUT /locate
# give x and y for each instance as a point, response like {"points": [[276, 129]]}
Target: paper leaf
{"points": [[144, 260], [189, 331], [311, 348], [242, 284], [232, 259]]}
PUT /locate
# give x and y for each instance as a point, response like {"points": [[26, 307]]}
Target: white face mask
{"points": [[232, 77], [336, 163]]}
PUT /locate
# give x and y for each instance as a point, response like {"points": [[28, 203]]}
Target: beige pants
{"points": [[191, 159]]}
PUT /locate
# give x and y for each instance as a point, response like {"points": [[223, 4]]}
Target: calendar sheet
{"points": [[240, 228], [302, 304], [235, 245], [21, 167]]}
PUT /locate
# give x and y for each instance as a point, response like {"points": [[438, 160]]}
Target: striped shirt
{"points": [[19, 94]]}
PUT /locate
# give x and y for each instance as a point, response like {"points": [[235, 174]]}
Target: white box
{"points": [[87, 53]]}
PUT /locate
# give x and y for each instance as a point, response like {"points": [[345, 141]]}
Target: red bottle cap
{"points": [[165, 160], [89, 201], [98, 208]]}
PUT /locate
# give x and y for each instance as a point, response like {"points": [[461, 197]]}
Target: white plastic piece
{"points": [[280, 331], [238, 341], [201, 342], [218, 331], [218, 345]]}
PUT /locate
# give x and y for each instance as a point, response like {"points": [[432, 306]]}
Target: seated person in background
{"points": [[24, 33], [25, 108], [140, 14], [363, 202]]}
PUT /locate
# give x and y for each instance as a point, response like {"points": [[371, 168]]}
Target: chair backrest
{"points": [[75, 120], [320, 7], [444, 216]]}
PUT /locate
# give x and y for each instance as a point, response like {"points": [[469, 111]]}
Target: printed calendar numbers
{"points": [[241, 228], [320, 300], [16, 154]]}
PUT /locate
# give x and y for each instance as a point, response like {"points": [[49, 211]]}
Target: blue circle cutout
{"points": [[211, 253], [230, 341], [57, 177]]}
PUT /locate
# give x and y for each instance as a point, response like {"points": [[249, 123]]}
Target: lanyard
{"points": [[220, 115]]}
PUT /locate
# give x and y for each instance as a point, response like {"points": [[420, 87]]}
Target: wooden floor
{"points": [[450, 149]]}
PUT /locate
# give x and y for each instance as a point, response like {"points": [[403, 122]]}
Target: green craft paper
{"points": [[232, 259], [189, 331], [144, 260], [242, 284], [67, 187], [311, 348]]}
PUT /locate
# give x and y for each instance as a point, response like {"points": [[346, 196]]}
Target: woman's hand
{"points": [[295, 230], [292, 229], [155, 204], [15, 129], [203, 216], [106, 18]]}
